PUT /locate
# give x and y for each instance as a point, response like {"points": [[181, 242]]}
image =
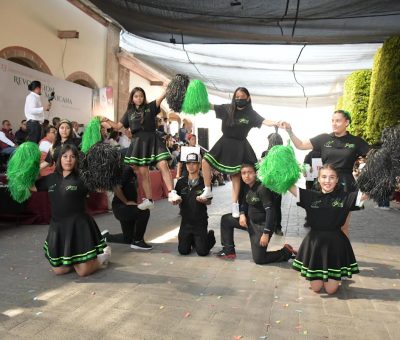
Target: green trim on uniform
{"points": [[147, 160], [325, 274], [220, 167], [75, 259]]}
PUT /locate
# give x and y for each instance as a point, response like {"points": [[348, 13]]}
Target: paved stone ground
{"points": [[161, 295]]}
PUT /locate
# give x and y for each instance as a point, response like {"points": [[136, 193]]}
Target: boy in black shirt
{"points": [[193, 229]]}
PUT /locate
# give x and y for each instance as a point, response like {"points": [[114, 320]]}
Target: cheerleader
{"points": [[232, 149], [147, 147], [257, 216], [339, 148], [326, 255], [193, 230], [74, 240]]}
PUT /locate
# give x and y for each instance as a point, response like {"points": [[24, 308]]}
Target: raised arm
{"points": [[268, 122], [299, 144], [160, 99], [114, 125]]}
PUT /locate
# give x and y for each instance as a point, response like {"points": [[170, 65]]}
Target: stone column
{"points": [[112, 63]]}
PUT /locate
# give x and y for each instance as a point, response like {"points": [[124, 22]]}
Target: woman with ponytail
{"points": [[232, 149]]}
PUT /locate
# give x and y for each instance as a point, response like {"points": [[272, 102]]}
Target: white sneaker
{"points": [[173, 196], [207, 193], [146, 204], [235, 210], [105, 257]]}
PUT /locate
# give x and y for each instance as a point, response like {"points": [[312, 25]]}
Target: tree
{"points": [[384, 103]]}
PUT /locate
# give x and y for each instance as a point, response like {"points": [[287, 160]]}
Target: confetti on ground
{"points": [[278, 321], [187, 315], [263, 337], [38, 313], [35, 298], [219, 297], [11, 268], [31, 291], [201, 294], [299, 311], [305, 332], [235, 307], [299, 327], [161, 307], [145, 264], [238, 337], [276, 297], [93, 293], [286, 305], [254, 280], [26, 278], [198, 299], [171, 262]]}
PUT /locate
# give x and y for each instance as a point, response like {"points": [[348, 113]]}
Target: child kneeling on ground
{"points": [[193, 230]]}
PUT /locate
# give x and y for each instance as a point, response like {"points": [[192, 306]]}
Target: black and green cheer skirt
{"points": [[147, 148], [326, 255], [73, 240], [228, 155]]}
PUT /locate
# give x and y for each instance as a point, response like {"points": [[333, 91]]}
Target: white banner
{"points": [[72, 101]]}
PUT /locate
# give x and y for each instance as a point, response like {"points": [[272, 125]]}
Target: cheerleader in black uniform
{"points": [[74, 240], [339, 148], [232, 149], [257, 216], [326, 255], [64, 136], [147, 147]]}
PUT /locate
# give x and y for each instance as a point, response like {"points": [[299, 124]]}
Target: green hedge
{"points": [[339, 104], [355, 100], [384, 104]]}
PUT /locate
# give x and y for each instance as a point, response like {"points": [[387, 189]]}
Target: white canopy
{"points": [[286, 75]]}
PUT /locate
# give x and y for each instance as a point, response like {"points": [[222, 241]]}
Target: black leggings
{"points": [[133, 223], [260, 254], [195, 236]]}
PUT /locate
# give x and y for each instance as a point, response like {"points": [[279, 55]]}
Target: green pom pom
{"points": [[196, 98], [92, 134], [279, 170], [23, 170]]}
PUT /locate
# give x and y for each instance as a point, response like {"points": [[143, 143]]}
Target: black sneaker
{"points": [[105, 233], [141, 245], [226, 254], [278, 232]]}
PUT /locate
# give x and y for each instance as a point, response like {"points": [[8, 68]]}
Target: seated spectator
{"points": [[75, 130], [125, 140], [56, 122], [45, 125], [22, 133], [7, 129], [113, 138], [45, 146], [7, 146], [48, 140]]}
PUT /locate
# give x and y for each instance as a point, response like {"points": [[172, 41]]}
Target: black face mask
{"points": [[241, 103]]}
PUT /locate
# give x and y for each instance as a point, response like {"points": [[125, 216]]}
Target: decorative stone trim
{"points": [[26, 55], [83, 79]]}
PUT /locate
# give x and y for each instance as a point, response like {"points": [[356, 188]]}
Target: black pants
{"points": [[277, 199], [260, 254], [34, 131], [196, 236], [228, 223], [133, 223]]}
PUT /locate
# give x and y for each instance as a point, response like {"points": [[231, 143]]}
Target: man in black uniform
{"points": [[193, 229], [256, 215]]}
